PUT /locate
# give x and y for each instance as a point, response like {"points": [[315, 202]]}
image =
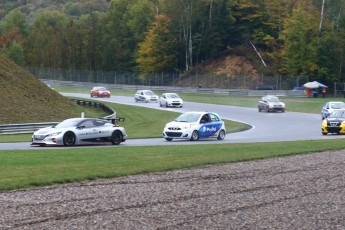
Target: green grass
{"points": [[140, 122], [25, 169]]}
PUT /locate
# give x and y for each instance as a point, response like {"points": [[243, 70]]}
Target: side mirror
{"points": [[202, 121], [81, 127]]}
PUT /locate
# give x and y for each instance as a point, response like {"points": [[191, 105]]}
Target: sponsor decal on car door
{"points": [[209, 129]]}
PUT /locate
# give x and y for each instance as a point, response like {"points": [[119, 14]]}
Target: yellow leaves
{"points": [[155, 52]]}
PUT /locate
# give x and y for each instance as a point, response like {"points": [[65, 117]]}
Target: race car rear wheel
{"points": [[221, 135], [195, 136], [68, 139], [116, 138]]}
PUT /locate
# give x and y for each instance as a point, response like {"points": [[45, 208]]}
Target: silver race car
{"points": [[81, 131]]}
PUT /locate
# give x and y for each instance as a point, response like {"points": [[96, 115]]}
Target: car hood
{"points": [[335, 119], [181, 125], [276, 103], [49, 130], [174, 99]]}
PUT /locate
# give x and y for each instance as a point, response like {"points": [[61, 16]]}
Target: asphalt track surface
{"points": [[266, 127]]}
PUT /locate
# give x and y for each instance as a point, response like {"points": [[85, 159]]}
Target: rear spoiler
{"points": [[114, 120]]}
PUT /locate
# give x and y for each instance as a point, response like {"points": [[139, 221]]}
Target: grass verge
{"points": [[140, 122], [24, 169]]}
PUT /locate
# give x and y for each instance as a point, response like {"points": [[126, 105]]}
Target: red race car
{"points": [[99, 91]]}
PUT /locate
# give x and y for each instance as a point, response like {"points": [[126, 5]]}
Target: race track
{"points": [[266, 127]]}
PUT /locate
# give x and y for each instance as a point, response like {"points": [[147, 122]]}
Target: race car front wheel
{"points": [[116, 138], [68, 139], [195, 136]]}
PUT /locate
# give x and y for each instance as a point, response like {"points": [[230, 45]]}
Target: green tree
{"points": [[122, 29], [156, 53], [15, 52], [13, 31], [45, 46], [300, 36]]}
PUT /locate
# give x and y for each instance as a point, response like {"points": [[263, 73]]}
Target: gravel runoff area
{"points": [[295, 192]]}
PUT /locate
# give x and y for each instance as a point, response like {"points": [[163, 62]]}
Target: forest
{"points": [[285, 37]]}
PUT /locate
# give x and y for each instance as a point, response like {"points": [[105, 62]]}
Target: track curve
{"points": [[266, 127]]}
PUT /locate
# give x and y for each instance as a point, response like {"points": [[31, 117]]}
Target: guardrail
{"points": [[27, 128]]}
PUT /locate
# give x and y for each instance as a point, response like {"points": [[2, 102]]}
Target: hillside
{"points": [[26, 99], [226, 71]]}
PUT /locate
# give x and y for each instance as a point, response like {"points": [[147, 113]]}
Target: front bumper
{"points": [[175, 104], [276, 109], [47, 140], [337, 129], [177, 134]]}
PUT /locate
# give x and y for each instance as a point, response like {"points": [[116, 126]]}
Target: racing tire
{"points": [[221, 135], [324, 134], [168, 139], [68, 139], [160, 104], [116, 138], [259, 109], [195, 136], [166, 104]]}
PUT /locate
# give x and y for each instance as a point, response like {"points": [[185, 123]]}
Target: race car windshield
{"points": [[337, 114], [190, 117], [173, 96], [66, 124], [102, 89], [273, 99], [149, 93], [338, 105]]}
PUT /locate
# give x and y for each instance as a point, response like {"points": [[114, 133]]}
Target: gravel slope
{"points": [[297, 192]]}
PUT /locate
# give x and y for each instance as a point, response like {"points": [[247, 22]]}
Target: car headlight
{"points": [[324, 122], [53, 134]]}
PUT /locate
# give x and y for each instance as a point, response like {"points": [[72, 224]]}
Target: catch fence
{"points": [[176, 79]]}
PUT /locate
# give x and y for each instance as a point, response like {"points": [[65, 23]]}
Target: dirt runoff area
{"points": [[295, 192]]}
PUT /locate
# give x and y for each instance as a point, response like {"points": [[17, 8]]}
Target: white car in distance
{"points": [[145, 96], [170, 100]]}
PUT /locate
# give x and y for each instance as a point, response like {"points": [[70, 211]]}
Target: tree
{"points": [[300, 36], [13, 30], [122, 29], [156, 53], [15, 52], [45, 46]]}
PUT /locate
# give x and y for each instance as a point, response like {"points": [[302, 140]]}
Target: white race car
{"points": [[146, 96], [195, 125], [81, 131], [170, 100]]}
